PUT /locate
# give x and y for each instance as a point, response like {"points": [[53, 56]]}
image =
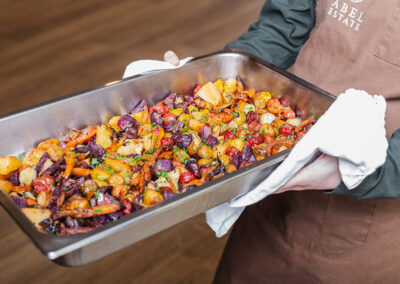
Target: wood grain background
{"points": [[50, 49]]}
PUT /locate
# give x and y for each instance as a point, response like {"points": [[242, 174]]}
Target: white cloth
{"points": [[143, 66], [352, 129]]}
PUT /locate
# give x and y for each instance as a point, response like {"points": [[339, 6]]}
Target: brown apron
{"points": [[312, 237]]}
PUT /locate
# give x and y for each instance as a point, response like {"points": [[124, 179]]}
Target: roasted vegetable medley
{"points": [[101, 173]]}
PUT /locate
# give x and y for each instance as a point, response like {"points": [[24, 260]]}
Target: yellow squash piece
{"points": [[36, 215], [9, 165], [103, 136], [210, 94]]}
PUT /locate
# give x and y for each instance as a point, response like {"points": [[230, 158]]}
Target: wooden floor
{"points": [[52, 48]]}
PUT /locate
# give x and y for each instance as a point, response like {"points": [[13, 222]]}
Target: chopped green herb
{"points": [[97, 194], [94, 161], [151, 151], [138, 158], [97, 210], [235, 114], [263, 131], [175, 150], [164, 174], [87, 153]]}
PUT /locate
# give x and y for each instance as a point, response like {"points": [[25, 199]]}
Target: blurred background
{"points": [[50, 49]]}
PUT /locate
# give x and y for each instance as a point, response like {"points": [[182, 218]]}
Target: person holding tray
{"points": [[304, 235]]}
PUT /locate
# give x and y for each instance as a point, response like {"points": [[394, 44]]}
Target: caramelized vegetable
{"points": [[74, 184]]}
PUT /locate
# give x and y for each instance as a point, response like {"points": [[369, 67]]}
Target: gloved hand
{"points": [[352, 130]]}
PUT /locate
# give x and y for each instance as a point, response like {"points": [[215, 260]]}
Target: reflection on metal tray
{"points": [[23, 130]]}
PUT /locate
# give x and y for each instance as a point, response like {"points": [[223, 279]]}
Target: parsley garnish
{"points": [[235, 114], [97, 210], [175, 150], [21, 157], [138, 158]]}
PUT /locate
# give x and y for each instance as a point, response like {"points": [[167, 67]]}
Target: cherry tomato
{"points": [[254, 126], [43, 183], [169, 117], [255, 139], [229, 135], [160, 108], [289, 114], [252, 116], [167, 143], [286, 129], [187, 177], [231, 151]]}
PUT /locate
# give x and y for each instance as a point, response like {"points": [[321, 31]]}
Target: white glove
{"points": [[352, 129], [143, 66]]}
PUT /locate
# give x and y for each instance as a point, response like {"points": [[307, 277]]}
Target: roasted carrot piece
{"points": [[86, 134], [70, 163], [81, 172]]}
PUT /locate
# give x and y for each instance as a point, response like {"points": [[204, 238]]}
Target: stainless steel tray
{"points": [[22, 131]]}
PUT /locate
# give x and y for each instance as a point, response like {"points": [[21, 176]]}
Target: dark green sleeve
{"points": [[280, 32], [384, 182]]}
